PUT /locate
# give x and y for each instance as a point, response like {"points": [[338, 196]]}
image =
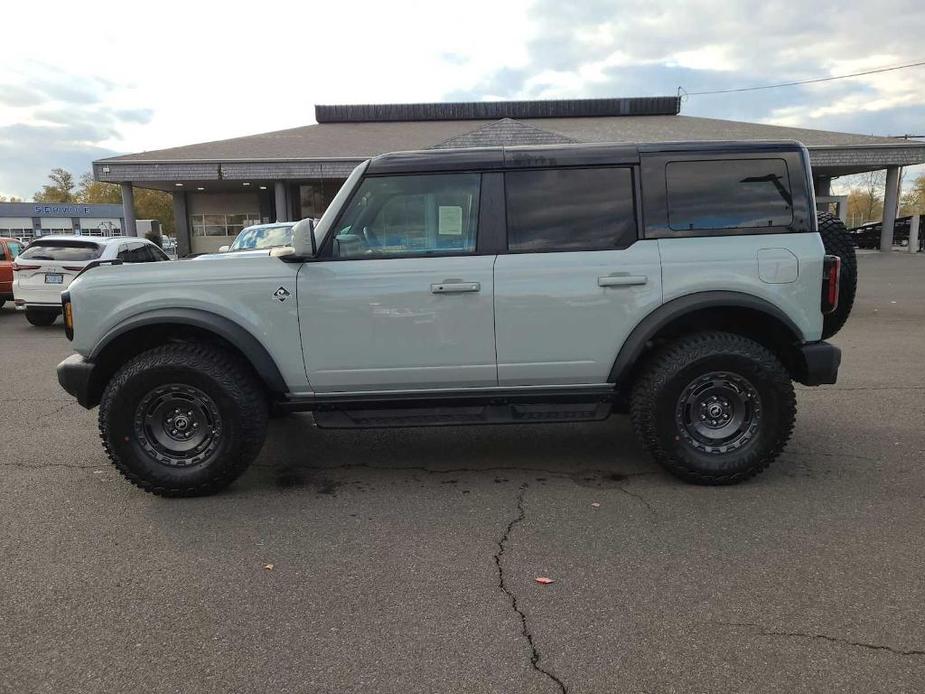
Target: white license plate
{"points": [[54, 278]]}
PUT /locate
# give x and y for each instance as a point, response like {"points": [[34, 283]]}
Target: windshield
{"points": [[327, 219], [263, 237], [62, 250]]}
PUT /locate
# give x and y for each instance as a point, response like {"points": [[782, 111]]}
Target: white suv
{"points": [[49, 264]]}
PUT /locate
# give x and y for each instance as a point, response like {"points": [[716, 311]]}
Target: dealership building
{"points": [[29, 220], [220, 187]]}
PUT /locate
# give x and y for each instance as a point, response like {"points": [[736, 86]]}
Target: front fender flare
{"points": [[252, 349]]}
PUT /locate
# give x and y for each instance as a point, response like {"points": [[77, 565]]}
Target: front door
{"points": [[575, 280], [399, 299]]}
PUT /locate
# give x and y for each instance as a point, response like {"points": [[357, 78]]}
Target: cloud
{"points": [[64, 126], [638, 48]]}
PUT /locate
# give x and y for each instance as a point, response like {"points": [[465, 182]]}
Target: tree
{"points": [[10, 198], [865, 197], [913, 200], [61, 188], [97, 192], [149, 204]]}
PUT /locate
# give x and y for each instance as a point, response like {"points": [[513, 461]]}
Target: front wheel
{"points": [[714, 408], [183, 419]]}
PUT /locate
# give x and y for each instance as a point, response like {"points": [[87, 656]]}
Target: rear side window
{"points": [[62, 250], [570, 209], [728, 194]]}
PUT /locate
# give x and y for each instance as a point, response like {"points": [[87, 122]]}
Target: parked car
{"points": [[260, 237], [49, 264], [686, 284], [9, 249], [868, 235]]}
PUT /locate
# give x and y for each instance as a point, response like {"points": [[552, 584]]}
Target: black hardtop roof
{"points": [[529, 156]]}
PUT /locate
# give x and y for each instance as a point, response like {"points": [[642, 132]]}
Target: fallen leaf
{"points": [[595, 504], [268, 567], [542, 580]]}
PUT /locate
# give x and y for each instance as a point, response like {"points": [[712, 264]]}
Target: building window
{"points": [[728, 194], [222, 224], [570, 209]]}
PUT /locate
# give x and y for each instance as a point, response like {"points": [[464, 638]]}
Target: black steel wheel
{"points": [[713, 407], [719, 412], [178, 425], [183, 419]]}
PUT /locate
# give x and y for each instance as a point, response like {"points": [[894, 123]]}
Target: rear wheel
{"points": [[837, 241], [714, 408], [41, 318], [183, 419]]}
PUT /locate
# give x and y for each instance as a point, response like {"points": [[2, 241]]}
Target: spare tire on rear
{"points": [[837, 241]]}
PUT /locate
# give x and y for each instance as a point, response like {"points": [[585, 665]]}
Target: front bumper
{"points": [[819, 364], [76, 376]]}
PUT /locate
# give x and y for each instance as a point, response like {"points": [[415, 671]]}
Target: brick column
{"points": [[890, 201], [128, 210], [282, 210], [181, 222]]}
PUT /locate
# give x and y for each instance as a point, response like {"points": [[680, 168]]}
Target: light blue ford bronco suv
{"points": [[687, 284]]}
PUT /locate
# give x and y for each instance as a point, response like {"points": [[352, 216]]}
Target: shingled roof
{"points": [[348, 134]]}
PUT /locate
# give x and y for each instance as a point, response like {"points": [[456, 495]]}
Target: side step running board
{"points": [[461, 415]]}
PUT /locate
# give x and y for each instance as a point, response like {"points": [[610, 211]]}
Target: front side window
{"points": [[570, 209], [728, 194], [395, 216]]}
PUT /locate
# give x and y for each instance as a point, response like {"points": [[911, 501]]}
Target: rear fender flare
{"points": [[649, 327]]}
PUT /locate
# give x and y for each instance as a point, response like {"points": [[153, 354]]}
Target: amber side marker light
{"points": [[68, 311]]}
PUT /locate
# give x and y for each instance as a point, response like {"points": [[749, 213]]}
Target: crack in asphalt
{"points": [[53, 412], [824, 637], [641, 499], [502, 585]]}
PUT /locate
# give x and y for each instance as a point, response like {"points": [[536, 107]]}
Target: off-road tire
{"points": [[228, 381], [837, 241], [41, 319], [657, 393]]}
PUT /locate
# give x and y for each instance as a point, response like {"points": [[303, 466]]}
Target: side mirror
{"points": [[303, 238], [223, 249]]}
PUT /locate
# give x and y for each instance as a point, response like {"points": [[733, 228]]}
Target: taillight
{"points": [[831, 273], [17, 267], [68, 310]]}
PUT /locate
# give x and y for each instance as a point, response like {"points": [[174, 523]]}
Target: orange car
{"points": [[9, 249]]}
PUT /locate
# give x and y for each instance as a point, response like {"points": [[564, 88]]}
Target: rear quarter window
{"points": [[62, 250], [728, 194]]}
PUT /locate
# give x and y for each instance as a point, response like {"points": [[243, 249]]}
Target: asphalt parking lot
{"points": [[404, 560]]}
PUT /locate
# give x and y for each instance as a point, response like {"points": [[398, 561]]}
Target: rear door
{"points": [[401, 298], [576, 278]]}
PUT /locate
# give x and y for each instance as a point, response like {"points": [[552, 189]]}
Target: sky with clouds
{"points": [[80, 81]]}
